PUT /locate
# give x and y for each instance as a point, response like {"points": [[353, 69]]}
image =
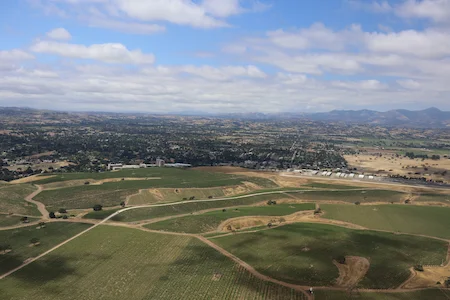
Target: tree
{"points": [[62, 211], [34, 241], [51, 215], [418, 268], [224, 210], [97, 207], [340, 259], [65, 217], [122, 203], [87, 182], [357, 203], [4, 247]]}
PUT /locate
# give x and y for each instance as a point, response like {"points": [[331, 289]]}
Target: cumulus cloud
{"points": [[14, 55], [59, 34], [110, 53], [435, 10]]}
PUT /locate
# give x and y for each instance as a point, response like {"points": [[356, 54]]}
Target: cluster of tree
{"points": [[413, 156]]}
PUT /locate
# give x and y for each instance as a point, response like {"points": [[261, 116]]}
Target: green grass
{"points": [[173, 195], [12, 199], [278, 253], [8, 220], [148, 213], [209, 221], [19, 240], [435, 294], [122, 263], [363, 196], [112, 193], [330, 186], [426, 220]]}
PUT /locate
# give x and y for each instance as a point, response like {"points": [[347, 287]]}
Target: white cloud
{"points": [[110, 53], [59, 34], [435, 10], [221, 8], [14, 55], [223, 73], [409, 84], [364, 85], [126, 27]]}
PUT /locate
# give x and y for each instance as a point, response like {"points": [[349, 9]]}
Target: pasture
{"points": [[209, 221], [12, 199], [303, 253], [19, 240], [425, 220], [122, 263]]}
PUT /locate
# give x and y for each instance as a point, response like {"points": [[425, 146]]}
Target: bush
{"points": [[318, 211], [340, 259], [97, 207], [65, 217], [51, 215], [271, 202], [62, 211], [224, 210], [418, 268], [122, 203], [87, 182], [24, 219], [357, 203]]}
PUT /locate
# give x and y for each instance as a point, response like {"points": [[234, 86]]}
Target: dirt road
{"points": [[40, 206]]}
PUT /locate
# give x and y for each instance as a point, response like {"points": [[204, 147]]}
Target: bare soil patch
{"points": [[30, 179], [350, 273]]}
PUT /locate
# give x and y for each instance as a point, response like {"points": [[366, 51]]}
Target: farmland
{"points": [[123, 263], [10, 220], [363, 196], [12, 199], [112, 193], [210, 220], [426, 220], [19, 240], [303, 253], [437, 294]]}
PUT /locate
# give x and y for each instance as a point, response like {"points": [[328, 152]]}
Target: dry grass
{"points": [[350, 273], [388, 164], [30, 179]]}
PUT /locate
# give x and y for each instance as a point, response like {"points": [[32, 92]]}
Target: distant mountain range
{"points": [[427, 118]]}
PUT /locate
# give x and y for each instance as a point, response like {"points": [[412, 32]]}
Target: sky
{"points": [[224, 56]]}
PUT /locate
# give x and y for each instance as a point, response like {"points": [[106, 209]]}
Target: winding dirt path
{"points": [[40, 206]]}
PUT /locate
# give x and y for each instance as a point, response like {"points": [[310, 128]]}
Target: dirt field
{"points": [[390, 164], [350, 273]]}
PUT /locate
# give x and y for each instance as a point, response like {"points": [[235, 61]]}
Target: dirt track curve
{"points": [[40, 206]]}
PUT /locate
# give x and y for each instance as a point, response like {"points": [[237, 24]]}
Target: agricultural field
{"points": [[435, 294], [100, 215], [148, 213], [12, 199], [434, 199], [122, 263], [425, 220], [303, 253], [209, 221], [112, 193], [11, 220], [21, 248], [362, 196]]}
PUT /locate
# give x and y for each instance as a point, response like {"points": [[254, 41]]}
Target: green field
{"points": [[426, 220], [330, 186], [100, 215], [148, 213], [9, 220], [12, 199], [122, 263], [445, 199], [19, 240], [278, 253], [112, 193], [174, 194], [209, 221], [436, 294], [363, 196]]}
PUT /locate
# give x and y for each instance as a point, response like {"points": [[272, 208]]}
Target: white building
{"points": [[160, 162]]}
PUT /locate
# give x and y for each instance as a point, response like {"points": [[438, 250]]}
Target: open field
{"points": [[12, 199], [112, 193], [19, 240], [390, 164], [10, 220], [435, 294], [122, 263], [433, 199], [209, 221], [303, 253], [426, 220], [148, 213]]}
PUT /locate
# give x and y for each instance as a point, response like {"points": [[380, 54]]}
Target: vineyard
{"points": [[12, 199], [209, 221], [303, 253], [426, 220], [121, 263]]}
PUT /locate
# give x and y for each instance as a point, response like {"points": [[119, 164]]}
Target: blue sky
{"points": [[215, 56]]}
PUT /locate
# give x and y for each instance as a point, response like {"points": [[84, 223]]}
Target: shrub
{"points": [[51, 215], [65, 217], [62, 211], [318, 211], [340, 259], [357, 203], [97, 207], [271, 202], [87, 182], [418, 268]]}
